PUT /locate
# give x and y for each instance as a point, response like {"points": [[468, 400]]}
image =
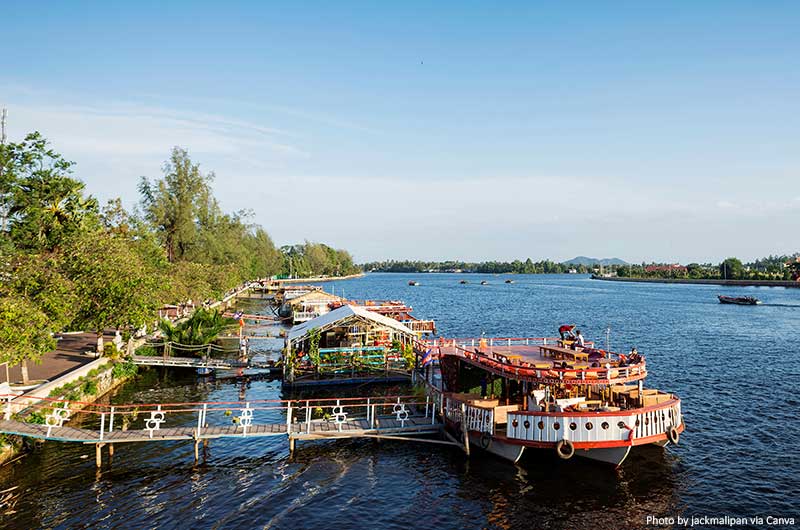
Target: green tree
{"points": [[25, 333], [731, 269], [203, 327], [113, 284], [44, 204], [172, 204]]}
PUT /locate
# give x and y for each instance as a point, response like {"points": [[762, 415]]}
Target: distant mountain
{"points": [[586, 261]]}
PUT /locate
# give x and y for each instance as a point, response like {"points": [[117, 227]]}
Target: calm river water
{"points": [[736, 368]]}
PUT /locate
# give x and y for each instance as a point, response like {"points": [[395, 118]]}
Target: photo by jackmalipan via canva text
{"points": [[709, 521]]}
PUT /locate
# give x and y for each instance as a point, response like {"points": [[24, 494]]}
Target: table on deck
{"points": [[556, 351]]}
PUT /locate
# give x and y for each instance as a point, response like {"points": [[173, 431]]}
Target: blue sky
{"points": [[469, 130]]}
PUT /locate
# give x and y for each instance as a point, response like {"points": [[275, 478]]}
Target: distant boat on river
{"points": [[413, 283], [739, 300]]}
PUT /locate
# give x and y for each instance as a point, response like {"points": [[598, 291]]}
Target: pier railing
{"points": [[197, 420]]}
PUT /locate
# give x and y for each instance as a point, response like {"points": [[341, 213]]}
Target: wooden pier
{"points": [[398, 417], [197, 362]]}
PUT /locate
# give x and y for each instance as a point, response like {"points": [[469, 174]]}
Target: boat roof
{"points": [[343, 313]]}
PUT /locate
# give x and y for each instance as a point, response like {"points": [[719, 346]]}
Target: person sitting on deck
{"points": [[566, 332], [634, 357], [579, 342]]}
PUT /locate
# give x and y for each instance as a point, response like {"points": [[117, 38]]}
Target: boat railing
{"points": [[469, 417], [501, 364], [595, 427]]}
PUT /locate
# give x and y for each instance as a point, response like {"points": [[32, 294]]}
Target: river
{"points": [[735, 367]]}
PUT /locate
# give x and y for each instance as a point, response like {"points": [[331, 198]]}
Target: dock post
{"points": [[289, 427], [465, 427], [98, 454]]}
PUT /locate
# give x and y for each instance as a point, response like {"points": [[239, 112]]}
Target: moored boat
{"points": [[738, 300], [509, 395]]}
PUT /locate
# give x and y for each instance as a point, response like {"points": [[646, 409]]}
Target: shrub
{"points": [[147, 350], [35, 417], [89, 388], [126, 369]]}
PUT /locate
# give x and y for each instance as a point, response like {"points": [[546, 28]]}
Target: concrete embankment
{"points": [[728, 283]]}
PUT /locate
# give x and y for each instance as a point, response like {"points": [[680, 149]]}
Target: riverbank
{"points": [[728, 283], [321, 279]]}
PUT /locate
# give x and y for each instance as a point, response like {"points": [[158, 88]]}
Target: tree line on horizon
{"points": [[488, 267], [779, 267], [68, 263]]}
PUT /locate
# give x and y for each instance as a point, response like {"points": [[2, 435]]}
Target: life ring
{"points": [[486, 440], [565, 449], [673, 435]]}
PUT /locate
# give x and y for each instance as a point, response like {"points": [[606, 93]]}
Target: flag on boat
{"points": [[427, 358]]}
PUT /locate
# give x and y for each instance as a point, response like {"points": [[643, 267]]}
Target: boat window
{"points": [[621, 425], [604, 425], [514, 423], [556, 426], [573, 426], [646, 421], [527, 424], [589, 426], [637, 423], [541, 425]]}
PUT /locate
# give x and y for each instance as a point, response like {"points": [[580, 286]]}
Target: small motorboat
{"points": [[463, 282], [739, 300], [484, 282], [509, 281], [413, 283]]}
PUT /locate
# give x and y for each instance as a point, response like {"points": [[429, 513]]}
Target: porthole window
{"points": [[514, 423], [670, 413], [541, 425], [573, 426], [556, 426], [663, 416], [527, 424], [637, 422], [604, 425], [589, 426], [646, 421], [621, 425]]}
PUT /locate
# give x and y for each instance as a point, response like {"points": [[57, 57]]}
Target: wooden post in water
{"points": [[98, 454], [465, 427]]}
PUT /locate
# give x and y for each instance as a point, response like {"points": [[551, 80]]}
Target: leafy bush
{"points": [[147, 351], [89, 388], [35, 417], [126, 369]]}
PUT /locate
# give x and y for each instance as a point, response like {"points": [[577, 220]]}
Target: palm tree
{"points": [[203, 327]]}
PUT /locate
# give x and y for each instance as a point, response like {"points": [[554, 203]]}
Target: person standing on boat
{"points": [[566, 332]]}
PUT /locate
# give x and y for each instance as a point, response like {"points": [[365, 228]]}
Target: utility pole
{"points": [[3, 209]]}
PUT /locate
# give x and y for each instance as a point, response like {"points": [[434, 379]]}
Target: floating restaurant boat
{"points": [[506, 395], [739, 300]]}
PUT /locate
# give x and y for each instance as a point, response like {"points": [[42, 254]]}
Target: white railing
{"points": [[304, 316], [593, 427], [471, 418]]}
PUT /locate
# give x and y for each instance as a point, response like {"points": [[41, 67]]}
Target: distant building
{"points": [[673, 268]]}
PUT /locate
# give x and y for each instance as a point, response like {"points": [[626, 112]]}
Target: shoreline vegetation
{"points": [[68, 264], [702, 281], [784, 268]]}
